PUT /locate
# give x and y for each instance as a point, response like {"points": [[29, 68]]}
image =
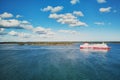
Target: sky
{"points": [[59, 20]]}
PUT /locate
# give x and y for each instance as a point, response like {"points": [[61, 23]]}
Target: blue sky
{"points": [[59, 20]]}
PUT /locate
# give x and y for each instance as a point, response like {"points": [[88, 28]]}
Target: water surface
{"points": [[29, 62]]}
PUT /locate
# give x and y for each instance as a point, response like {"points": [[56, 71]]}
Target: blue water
{"points": [[29, 62]]}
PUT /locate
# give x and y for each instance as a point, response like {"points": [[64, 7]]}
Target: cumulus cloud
{"points": [[53, 9], [78, 13], [26, 26], [9, 23], [69, 31], [13, 33], [99, 23], [101, 1], [6, 15], [2, 31], [24, 35], [41, 30], [74, 1], [14, 23], [104, 10], [24, 22], [67, 18], [19, 34], [18, 16]]}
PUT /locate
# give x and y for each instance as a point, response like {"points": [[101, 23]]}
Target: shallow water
{"points": [[30, 62]]}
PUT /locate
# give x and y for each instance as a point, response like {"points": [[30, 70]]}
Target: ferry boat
{"points": [[101, 46]]}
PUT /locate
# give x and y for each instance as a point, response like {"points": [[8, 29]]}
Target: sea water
{"points": [[31, 62]]}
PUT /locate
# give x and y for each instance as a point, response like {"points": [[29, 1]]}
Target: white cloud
{"points": [[74, 1], [14, 23], [2, 32], [19, 34], [9, 23], [24, 35], [41, 30], [26, 26], [103, 10], [69, 31], [48, 8], [99, 23], [6, 15], [101, 1], [67, 18], [78, 13], [24, 22], [37, 32], [57, 9], [53, 9], [18, 16], [1, 29], [13, 33]]}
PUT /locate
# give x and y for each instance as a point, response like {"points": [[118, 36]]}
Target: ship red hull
{"points": [[101, 48]]}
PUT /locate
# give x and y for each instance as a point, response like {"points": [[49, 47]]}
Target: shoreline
{"points": [[56, 43]]}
